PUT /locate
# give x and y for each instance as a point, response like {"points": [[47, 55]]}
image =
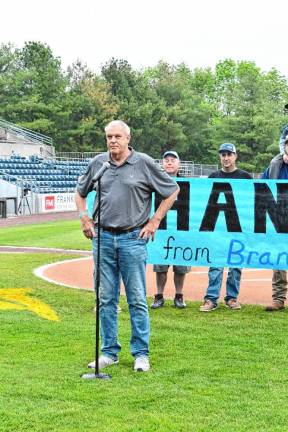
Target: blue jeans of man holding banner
{"points": [[215, 282], [123, 255]]}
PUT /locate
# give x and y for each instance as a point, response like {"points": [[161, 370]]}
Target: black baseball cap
{"points": [[227, 147]]}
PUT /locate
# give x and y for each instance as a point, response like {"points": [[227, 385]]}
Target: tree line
{"points": [[167, 106]]}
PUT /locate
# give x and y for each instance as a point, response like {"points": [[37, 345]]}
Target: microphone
{"points": [[100, 172]]}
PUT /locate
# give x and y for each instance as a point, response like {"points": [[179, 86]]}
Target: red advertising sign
{"points": [[50, 202]]}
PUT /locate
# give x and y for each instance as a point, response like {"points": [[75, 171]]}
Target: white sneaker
{"points": [[104, 361], [141, 364]]}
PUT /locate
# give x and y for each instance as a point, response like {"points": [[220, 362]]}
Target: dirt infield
{"points": [[38, 218], [255, 285]]}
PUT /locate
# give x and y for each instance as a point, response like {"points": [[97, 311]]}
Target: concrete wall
{"points": [[26, 204], [36, 203], [9, 190], [15, 143], [25, 149]]}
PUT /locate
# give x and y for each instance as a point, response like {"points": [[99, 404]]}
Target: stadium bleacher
{"points": [[42, 175], [57, 175]]}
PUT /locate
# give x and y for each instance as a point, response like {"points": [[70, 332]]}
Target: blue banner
{"points": [[224, 223]]}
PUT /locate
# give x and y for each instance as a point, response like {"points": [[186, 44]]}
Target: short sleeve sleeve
{"points": [[84, 182], [160, 181]]}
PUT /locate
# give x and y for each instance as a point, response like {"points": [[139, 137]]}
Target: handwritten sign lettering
{"points": [[225, 223]]}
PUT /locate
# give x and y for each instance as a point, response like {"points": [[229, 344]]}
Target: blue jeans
{"points": [[215, 281], [122, 256]]}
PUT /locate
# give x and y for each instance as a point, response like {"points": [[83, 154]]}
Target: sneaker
{"points": [[233, 304], [179, 302], [276, 305], [104, 361], [141, 364], [208, 306], [158, 302]]}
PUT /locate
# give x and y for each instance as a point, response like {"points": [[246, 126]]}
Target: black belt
{"points": [[121, 230]]}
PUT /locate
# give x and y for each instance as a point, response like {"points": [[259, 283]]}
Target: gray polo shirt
{"points": [[126, 190]]}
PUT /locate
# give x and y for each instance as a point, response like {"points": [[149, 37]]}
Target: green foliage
{"points": [[167, 106], [251, 110], [90, 108], [32, 87]]}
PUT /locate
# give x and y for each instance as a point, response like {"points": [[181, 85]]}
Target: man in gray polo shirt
{"points": [[126, 197]]}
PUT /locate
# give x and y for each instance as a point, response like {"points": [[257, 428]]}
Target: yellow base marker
{"points": [[18, 299]]}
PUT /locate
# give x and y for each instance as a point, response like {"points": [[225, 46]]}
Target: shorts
{"points": [[159, 268]]}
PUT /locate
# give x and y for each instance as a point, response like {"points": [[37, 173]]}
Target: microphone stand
{"points": [[97, 374]]}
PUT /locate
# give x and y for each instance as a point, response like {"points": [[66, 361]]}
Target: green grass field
{"points": [[224, 371], [66, 235]]}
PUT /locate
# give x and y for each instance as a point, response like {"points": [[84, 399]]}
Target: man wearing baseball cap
{"points": [[171, 164], [277, 162], [229, 170], [279, 278]]}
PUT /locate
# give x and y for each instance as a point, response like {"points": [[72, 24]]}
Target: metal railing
{"points": [[26, 133], [190, 169], [31, 184], [22, 182], [76, 155], [187, 169]]}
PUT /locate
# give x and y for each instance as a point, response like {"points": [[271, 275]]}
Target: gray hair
{"points": [[119, 123]]}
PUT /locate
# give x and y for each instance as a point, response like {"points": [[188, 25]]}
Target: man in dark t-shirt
{"points": [[229, 170], [279, 279]]}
